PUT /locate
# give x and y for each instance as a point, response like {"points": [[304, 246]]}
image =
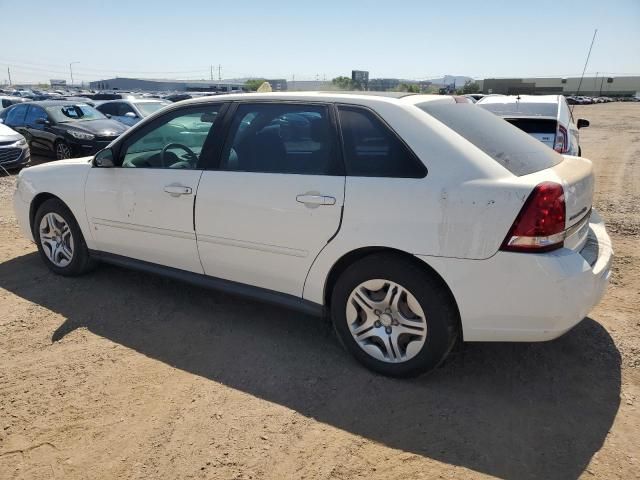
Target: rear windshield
{"points": [[520, 108], [512, 148]]}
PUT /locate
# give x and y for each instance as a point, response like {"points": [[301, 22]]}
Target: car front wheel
{"points": [[59, 239], [63, 150], [395, 317]]}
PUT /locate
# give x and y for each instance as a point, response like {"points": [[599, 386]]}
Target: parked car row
{"points": [[411, 221]]}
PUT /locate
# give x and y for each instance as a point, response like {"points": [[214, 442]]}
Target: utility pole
{"points": [[219, 72], [71, 71], [9, 72], [211, 66]]}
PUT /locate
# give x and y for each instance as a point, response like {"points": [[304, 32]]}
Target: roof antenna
{"points": [[585, 65]]}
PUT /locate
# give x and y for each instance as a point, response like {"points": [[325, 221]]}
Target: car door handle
{"points": [[177, 190], [309, 199]]}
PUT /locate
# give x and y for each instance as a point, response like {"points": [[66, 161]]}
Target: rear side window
{"points": [[512, 148], [15, 116], [282, 138], [371, 149]]}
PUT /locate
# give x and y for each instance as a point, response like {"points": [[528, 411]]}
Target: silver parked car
{"points": [[544, 117], [131, 111], [14, 150]]}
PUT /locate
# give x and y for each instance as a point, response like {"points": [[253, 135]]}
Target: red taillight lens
{"points": [[561, 145], [540, 225]]}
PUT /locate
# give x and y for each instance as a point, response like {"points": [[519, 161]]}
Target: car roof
{"points": [[134, 100], [344, 97], [56, 103], [521, 99]]}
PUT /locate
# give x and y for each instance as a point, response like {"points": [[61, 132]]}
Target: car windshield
{"points": [[147, 108], [74, 112], [521, 109], [509, 146]]}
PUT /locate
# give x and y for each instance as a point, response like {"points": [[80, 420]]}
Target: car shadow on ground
{"points": [[509, 410]]}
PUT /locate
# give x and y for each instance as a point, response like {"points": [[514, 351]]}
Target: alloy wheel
{"points": [[56, 239], [386, 321], [62, 151]]}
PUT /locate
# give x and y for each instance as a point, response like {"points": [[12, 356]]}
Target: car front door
{"points": [[275, 199], [126, 114], [143, 207], [40, 138]]}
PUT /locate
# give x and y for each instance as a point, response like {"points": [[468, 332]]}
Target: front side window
{"points": [[282, 138], [108, 108], [34, 114], [371, 149], [124, 108], [180, 140]]}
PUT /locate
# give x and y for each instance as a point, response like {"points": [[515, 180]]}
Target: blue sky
{"points": [[282, 38]]}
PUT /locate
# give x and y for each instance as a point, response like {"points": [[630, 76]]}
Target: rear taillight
{"points": [[561, 145], [540, 225]]}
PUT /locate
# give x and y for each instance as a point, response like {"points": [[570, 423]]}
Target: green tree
{"points": [[408, 87], [469, 87], [253, 84], [343, 83]]}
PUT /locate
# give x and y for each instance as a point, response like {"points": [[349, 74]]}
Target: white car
{"points": [[411, 220], [547, 118]]}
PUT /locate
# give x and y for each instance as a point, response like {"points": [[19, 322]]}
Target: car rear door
{"points": [[143, 207], [275, 199]]}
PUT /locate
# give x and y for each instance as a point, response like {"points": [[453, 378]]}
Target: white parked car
{"points": [[547, 118], [411, 220]]}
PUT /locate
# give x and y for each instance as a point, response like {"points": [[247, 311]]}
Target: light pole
{"points": [[71, 71]]}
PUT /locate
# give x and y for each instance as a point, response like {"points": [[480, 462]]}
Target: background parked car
{"points": [[63, 129], [131, 112], [14, 150], [7, 101], [544, 117]]}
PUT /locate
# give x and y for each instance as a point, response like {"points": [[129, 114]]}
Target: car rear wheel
{"points": [[63, 150], [59, 239], [393, 316]]}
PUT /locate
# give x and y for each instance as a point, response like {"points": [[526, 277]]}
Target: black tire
{"points": [[61, 146], [440, 312], [81, 262]]}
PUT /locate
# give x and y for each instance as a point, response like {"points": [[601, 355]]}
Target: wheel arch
{"points": [[38, 200], [353, 256]]}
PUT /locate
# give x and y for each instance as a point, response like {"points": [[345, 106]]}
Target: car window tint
{"points": [[123, 109], [16, 115], [33, 114], [281, 138], [177, 142], [371, 149], [512, 148], [107, 108]]}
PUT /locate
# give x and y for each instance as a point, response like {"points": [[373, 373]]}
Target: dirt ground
{"points": [[125, 375]]}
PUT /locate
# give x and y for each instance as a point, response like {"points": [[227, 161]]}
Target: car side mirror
{"points": [[42, 121], [582, 123], [108, 115], [104, 159], [130, 115]]}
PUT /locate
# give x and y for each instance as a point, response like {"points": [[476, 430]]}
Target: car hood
{"points": [[101, 128], [8, 134]]}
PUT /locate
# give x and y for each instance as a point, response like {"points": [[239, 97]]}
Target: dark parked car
{"points": [[60, 128]]}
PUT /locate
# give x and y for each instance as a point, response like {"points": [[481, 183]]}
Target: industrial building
{"points": [[132, 84], [602, 85]]}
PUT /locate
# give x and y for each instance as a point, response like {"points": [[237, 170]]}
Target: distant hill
{"points": [[449, 79]]}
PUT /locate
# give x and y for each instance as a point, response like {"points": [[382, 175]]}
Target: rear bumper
{"points": [[529, 297]]}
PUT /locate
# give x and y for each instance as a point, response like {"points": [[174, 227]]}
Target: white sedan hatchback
{"points": [[411, 221]]}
